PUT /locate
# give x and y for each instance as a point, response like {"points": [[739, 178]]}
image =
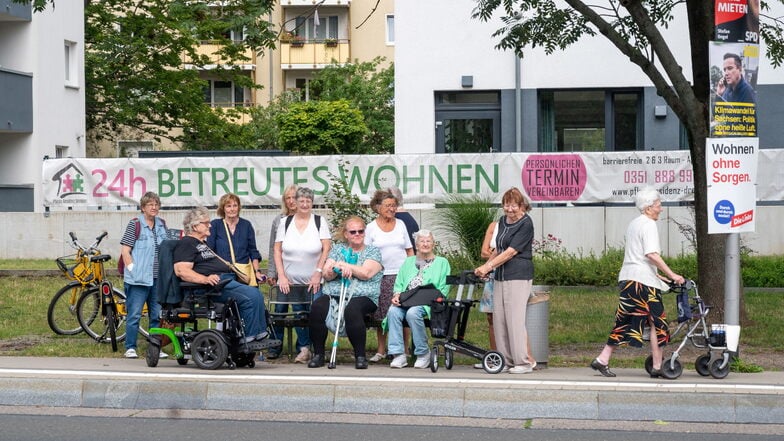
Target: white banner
{"points": [[612, 177], [731, 167]]}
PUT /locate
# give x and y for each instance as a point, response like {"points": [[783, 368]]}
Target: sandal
{"points": [[376, 358], [602, 368]]}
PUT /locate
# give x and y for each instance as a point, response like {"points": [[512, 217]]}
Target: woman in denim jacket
{"points": [[140, 244]]}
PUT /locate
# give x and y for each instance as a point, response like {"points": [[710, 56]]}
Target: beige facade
{"points": [[346, 30]]}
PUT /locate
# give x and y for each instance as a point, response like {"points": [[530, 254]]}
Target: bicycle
{"points": [[83, 274]]}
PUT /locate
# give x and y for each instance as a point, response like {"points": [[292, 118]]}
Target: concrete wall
{"points": [[582, 229]]}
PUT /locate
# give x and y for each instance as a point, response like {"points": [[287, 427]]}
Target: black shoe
{"points": [[316, 361], [361, 363], [273, 355], [602, 368], [656, 373]]}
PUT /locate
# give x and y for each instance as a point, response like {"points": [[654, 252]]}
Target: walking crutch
{"points": [[341, 306]]}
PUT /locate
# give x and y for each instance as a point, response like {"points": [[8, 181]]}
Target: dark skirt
{"points": [[385, 296], [636, 304]]}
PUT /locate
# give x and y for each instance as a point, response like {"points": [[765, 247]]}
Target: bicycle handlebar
{"points": [[93, 248]]}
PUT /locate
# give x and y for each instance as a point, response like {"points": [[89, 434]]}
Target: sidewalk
{"points": [[567, 393]]}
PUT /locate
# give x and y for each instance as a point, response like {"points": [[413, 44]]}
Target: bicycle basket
{"points": [[74, 268]]}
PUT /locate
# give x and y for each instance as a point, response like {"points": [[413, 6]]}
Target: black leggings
{"points": [[354, 314]]}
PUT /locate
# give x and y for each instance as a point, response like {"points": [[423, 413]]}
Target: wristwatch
{"points": [[319, 270]]}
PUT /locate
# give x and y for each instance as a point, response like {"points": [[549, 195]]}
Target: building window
{"points": [[327, 27], [131, 149], [303, 86], [224, 94], [390, 29], [468, 122], [589, 120], [61, 151], [71, 64]]}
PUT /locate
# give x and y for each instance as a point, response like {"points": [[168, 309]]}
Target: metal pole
{"points": [[732, 280], [518, 106]]}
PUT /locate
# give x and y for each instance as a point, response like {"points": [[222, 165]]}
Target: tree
{"points": [[370, 90], [633, 27], [321, 128]]}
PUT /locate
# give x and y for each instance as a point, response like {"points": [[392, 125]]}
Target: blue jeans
{"points": [[135, 298], [303, 334], [250, 302], [415, 317]]}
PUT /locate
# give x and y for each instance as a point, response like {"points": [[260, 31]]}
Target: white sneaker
{"points": [[163, 355], [478, 366], [376, 358], [303, 356], [422, 361], [131, 353], [523, 369], [400, 361]]}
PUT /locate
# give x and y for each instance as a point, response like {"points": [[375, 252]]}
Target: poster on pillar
{"points": [[737, 20], [733, 77], [731, 166]]}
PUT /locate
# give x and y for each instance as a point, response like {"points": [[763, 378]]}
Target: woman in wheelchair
{"points": [[195, 262]]}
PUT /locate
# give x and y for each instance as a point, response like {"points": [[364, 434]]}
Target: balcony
{"points": [[10, 11], [313, 54], [16, 106], [211, 51], [310, 3]]}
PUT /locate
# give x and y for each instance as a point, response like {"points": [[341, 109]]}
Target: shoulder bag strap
{"points": [[228, 236]]}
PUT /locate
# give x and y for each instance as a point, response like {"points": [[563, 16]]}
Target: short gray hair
{"points": [[397, 194], [422, 234], [194, 217], [304, 192], [646, 198]]}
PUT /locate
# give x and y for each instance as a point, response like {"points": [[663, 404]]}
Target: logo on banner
{"points": [[70, 182], [554, 177]]}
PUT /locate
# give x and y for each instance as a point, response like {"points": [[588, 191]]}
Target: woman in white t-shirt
{"points": [[390, 235], [301, 248]]}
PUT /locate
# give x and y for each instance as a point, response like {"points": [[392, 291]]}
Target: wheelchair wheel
{"points": [[434, 359], [153, 352], [702, 365], [449, 358], [182, 361], [61, 314], [649, 364], [717, 371], [671, 369], [493, 362], [209, 350], [243, 360]]}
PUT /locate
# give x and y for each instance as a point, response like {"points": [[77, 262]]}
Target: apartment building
{"points": [[41, 96]]}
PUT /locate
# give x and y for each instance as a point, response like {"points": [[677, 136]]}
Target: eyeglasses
{"points": [[355, 232], [205, 223]]}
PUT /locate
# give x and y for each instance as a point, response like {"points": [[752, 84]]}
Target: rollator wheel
{"points": [[702, 365], [449, 358], [208, 350], [434, 359], [671, 369], [182, 361], [493, 362], [717, 371], [649, 364]]}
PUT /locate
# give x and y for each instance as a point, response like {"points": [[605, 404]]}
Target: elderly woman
{"points": [[390, 235], [302, 243], [423, 268], [139, 248], [195, 262], [365, 281], [641, 286], [513, 280], [233, 237]]}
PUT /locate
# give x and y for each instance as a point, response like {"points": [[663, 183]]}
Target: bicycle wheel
{"points": [[111, 316], [61, 314], [122, 314], [88, 310]]}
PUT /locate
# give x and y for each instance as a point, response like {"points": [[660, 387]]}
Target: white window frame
{"points": [[390, 29], [71, 64]]}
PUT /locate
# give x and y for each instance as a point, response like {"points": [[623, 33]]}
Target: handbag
{"points": [[241, 276], [421, 295], [248, 273]]}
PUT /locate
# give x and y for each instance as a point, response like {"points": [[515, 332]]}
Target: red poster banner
{"points": [[737, 21]]}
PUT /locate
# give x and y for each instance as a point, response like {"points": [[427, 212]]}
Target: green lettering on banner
{"points": [[300, 171], [182, 181], [165, 186], [239, 171], [420, 179], [254, 177], [200, 179], [463, 177], [321, 180], [356, 176], [378, 179], [220, 177], [445, 185], [491, 182]]}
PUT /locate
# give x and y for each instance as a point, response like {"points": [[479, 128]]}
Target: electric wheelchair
{"points": [[186, 308]]}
